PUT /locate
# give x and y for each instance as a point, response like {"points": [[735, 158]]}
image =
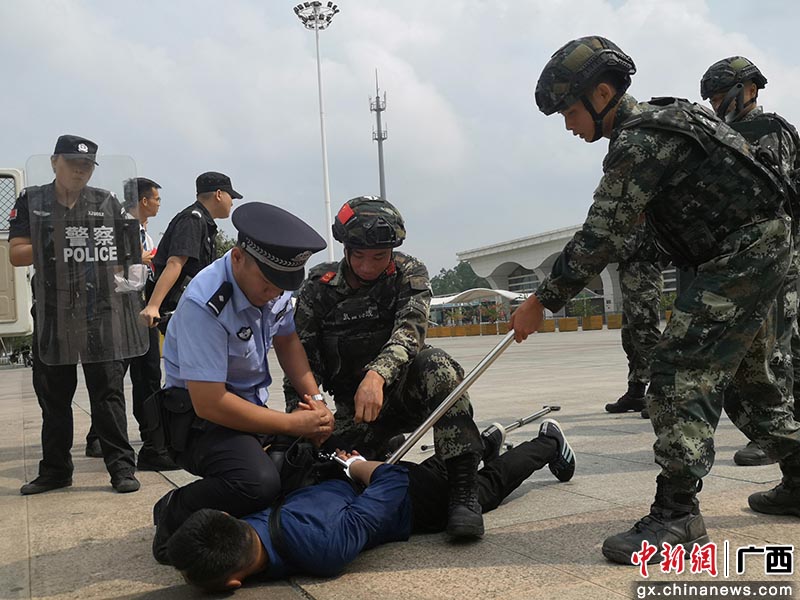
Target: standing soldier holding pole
{"points": [[710, 204]]}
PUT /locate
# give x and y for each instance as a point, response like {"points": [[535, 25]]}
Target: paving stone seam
{"points": [[556, 568]]}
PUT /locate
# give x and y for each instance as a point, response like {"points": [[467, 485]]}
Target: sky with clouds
{"points": [[185, 86]]}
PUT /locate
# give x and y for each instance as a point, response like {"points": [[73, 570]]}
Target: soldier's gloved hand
{"points": [[527, 318], [150, 315], [369, 398]]}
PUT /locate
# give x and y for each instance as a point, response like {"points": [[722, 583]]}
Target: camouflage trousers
{"points": [[785, 360], [641, 286], [420, 389], [720, 341]]}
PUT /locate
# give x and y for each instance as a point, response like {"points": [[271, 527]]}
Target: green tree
{"points": [[455, 280], [667, 300], [224, 243], [585, 304]]}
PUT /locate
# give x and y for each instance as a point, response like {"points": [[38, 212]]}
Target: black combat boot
{"points": [[752, 456], [632, 400], [464, 518], [674, 518], [781, 500]]}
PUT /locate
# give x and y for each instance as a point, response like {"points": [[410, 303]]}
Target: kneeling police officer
{"points": [[213, 408]]}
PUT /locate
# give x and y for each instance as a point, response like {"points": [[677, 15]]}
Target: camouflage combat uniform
{"points": [[381, 327], [709, 204], [780, 147], [641, 285]]}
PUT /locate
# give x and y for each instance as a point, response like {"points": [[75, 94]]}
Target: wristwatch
{"points": [[319, 398]]}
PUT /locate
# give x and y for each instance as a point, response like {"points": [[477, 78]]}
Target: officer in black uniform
{"points": [[78, 239], [189, 244]]}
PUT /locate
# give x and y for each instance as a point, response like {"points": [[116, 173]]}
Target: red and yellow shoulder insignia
{"points": [[328, 276], [391, 269]]}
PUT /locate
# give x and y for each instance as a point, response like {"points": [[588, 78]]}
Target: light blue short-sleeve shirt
{"points": [[209, 339]]}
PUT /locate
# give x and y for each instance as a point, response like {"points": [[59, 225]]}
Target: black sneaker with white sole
{"points": [[563, 465]]}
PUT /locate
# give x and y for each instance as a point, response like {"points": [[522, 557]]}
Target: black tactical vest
{"points": [[355, 329], [720, 188], [765, 133], [74, 267]]}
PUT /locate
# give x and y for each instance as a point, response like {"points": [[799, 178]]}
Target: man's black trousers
{"points": [[430, 491], [146, 380], [237, 475], [55, 388]]}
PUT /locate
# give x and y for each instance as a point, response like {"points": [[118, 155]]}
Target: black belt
{"points": [[275, 532]]}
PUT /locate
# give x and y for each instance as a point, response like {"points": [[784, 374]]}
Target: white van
{"points": [[15, 284]]}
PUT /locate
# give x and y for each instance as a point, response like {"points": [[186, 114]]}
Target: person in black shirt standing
{"points": [[188, 245], [143, 201], [81, 241]]}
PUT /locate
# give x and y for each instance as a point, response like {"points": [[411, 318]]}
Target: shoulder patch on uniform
{"points": [[284, 309], [13, 214], [328, 276], [220, 298], [197, 213]]}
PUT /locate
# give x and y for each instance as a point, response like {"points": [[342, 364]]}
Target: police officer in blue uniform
{"points": [[74, 236], [213, 408]]}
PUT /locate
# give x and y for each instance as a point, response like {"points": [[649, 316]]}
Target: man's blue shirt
{"points": [[229, 347], [326, 526]]}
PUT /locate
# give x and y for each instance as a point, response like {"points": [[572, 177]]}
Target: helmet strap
{"points": [[735, 93], [598, 117]]}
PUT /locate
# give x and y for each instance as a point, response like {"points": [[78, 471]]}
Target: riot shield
{"points": [[87, 256]]}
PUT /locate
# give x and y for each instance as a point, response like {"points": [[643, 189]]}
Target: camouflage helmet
{"points": [[726, 73], [575, 67], [369, 222]]}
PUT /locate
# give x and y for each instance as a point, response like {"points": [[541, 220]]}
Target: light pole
{"points": [[316, 16]]}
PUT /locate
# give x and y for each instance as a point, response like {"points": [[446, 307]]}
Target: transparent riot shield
{"points": [[87, 256]]}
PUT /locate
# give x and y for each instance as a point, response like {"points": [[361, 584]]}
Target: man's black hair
{"points": [[210, 546], [615, 79], [138, 188]]}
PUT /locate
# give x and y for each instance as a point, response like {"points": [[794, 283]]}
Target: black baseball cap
{"points": [[212, 181], [74, 146], [280, 242]]}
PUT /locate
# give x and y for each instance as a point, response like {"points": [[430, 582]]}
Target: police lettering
{"points": [[79, 254]]}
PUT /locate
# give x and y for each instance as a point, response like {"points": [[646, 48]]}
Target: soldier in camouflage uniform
{"points": [[710, 204], [731, 86], [362, 322], [641, 284]]}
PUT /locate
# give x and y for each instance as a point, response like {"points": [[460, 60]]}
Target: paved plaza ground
{"points": [[543, 542]]}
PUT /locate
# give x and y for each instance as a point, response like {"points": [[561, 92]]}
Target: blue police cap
{"points": [[280, 242]]}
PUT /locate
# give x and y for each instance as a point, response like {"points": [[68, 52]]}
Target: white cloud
{"points": [[187, 86]]}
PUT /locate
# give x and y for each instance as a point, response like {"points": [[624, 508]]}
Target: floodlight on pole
{"points": [[318, 16]]}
